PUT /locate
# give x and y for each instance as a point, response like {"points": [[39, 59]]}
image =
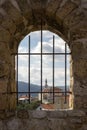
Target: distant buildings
{"points": [[53, 98], [23, 99], [58, 97]]}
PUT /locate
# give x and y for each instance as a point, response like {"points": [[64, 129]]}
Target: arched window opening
{"points": [[43, 72]]}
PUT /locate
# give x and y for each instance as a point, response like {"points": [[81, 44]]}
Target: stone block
{"points": [[13, 86], [14, 124], [63, 11], [80, 68], [52, 7], [3, 101], [74, 18], [79, 32], [84, 127], [4, 70], [80, 102], [79, 50], [4, 35], [10, 114], [76, 2], [75, 113], [12, 12], [25, 8], [3, 86], [35, 124], [12, 101], [2, 115], [1, 125], [36, 5], [75, 121], [56, 114], [80, 87], [39, 114], [23, 114], [57, 124], [9, 25], [84, 4]]}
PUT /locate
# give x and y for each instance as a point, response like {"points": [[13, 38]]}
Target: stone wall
{"points": [[68, 19], [43, 120]]}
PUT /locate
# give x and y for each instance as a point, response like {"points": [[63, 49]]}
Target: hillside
{"points": [[23, 87]]}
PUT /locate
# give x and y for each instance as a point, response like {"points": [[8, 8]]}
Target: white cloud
{"points": [[47, 73], [47, 61], [23, 73], [37, 49], [22, 49]]}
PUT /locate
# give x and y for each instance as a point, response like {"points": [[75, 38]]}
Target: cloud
{"points": [[47, 61], [35, 74], [23, 73], [22, 49]]}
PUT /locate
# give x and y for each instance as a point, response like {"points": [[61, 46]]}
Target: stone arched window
{"points": [[43, 71]]}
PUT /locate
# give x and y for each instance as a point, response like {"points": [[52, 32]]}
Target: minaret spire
{"points": [[46, 83]]}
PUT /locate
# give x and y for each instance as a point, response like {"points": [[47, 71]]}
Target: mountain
{"points": [[23, 87]]}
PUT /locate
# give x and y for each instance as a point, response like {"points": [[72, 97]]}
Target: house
{"points": [[23, 99], [47, 107]]}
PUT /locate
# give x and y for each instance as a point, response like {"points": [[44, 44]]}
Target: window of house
{"points": [[43, 72]]}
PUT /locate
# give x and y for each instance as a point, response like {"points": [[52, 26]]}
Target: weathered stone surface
{"points": [[2, 115], [36, 5], [84, 127], [75, 113], [80, 68], [4, 35], [10, 114], [80, 87], [64, 10], [57, 124], [64, 17], [56, 114], [39, 114], [9, 25], [4, 70], [1, 125], [76, 1], [52, 7], [38, 124], [80, 102], [25, 9], [23, 114], [79, 48], [80, 31], [3, 86], [84, 4], [3, 101], [15, 4], [74, 18], [12, 12], [14, 122]]}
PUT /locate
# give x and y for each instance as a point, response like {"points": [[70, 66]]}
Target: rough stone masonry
{"points": [[68, 19]]}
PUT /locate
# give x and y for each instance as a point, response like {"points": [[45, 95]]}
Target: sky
{"points": [[35, 61]]}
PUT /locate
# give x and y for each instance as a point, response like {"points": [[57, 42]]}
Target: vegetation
{"points": [[27, 106]]}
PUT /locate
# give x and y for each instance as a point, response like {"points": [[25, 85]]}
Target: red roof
{"points": [[47, 106], [24, 97]]}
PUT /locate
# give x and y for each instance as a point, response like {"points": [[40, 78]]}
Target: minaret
{"points": [[46, 83]]}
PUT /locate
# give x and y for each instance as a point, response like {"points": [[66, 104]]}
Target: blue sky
{"points": [[47, 60]]}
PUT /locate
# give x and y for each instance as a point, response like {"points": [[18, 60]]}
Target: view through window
{"points": [[43, 72]]}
